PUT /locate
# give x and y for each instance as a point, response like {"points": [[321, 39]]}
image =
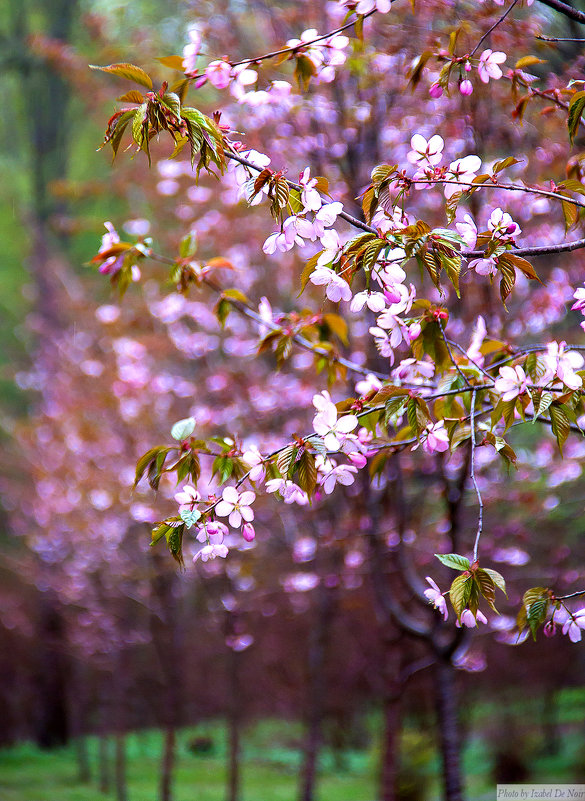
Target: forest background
{"points": [[279, 671]]}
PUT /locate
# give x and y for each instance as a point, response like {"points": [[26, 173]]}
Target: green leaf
{"points": [[149, 457], [560, 424], [129, 71], [285, 460], [307, 473], [460, 593], [497, 578], [576, 107], [183, 428], [487, 587], [454, 560], [190, 516]]}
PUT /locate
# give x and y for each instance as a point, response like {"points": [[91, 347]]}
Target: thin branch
{"points": [[494, 26], [249, 312], [557, 38], [509, 187], [545, 250], [450, 352], [299, 47], [472, 474]]}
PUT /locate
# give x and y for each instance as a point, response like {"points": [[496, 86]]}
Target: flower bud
{"points": [[358, 459], [435, 90], [248, 532], [466, 87]]}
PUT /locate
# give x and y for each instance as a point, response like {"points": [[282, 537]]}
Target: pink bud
{"points": [[358, 459], [248, 532], [435, 90], [414, 331], [549, 629], [392, 294], [466, 87], [467, 67]]}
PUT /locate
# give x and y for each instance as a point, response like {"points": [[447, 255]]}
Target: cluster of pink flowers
{"points": [[488, 68], [325, 54], [573, 623], [426, 156]]}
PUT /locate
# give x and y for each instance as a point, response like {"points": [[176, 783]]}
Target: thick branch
{"points": [[563, 8]]}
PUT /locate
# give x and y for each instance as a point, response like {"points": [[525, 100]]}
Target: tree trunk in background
{"points": [[52, 728], [390, 748], [104, 763], [234, 723], [166, 638], [447, 720], [319, 637], [120, 768], [83, 764], [168, 764]]}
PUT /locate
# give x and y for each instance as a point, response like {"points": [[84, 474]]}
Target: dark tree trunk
{"points": [[53, 720], [104, 769], [234, 723], [120, 768], [447, 720], [168, 764], [83, 764], [316, 691], [390, 749]]}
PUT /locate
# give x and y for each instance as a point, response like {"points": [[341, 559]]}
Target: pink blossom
{"points": [[574, 625], [562, 364], [467, 231], [332, 248], [309, 196], [213, 532], [211, 552], [336, 288], [187, 497], [426, 153], [218, 74], [436, 598], [512, 382], [367, 384], [191, 51], [236, 505], [334, 430], [487, 266], [502, 225], [288, 490], [375, 301], [365, 6], [463, 170], [342, 474], [579, 296], [488, 65], [382, 342], [435, 439], [357, 459], [255, 460], [470, 620]]}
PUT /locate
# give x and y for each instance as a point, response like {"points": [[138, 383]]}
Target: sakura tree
{"points": [[435, 226]]}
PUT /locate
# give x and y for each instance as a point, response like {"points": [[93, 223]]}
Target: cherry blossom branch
{"points": [[576, 594], [301, 46], [465, 353], [509, 187], [234, 156], [494, 26], [545, 250], [249, 312], [473, 479]]}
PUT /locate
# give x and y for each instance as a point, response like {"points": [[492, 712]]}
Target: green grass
{"points": [[271, 760], [269, 772]]}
